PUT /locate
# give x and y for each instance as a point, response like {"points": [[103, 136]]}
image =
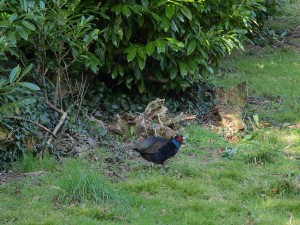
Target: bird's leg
{"points": [[164, 169], [149, 165], [152, 165]]}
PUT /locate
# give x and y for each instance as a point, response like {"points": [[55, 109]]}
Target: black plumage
{"points": [[158, 149]]}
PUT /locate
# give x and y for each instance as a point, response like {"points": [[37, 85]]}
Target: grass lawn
{"points": [[272, 74], [256, 182]]}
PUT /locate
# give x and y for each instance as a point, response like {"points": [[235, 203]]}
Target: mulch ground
{"points": [[6, 177], [9, 176]]}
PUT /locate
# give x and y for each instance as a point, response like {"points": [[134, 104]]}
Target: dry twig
{"points": [[33, 122]]}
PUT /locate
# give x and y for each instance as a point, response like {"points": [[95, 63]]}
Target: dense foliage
{"points": [[140, 45]]}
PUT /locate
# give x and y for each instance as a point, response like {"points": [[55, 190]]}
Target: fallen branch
{"points": [[33, 122], [61, 121], [57, 127]]}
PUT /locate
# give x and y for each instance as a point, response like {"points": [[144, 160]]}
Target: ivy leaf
{"points": [[191, 47], [14, 73], [30, 86]]}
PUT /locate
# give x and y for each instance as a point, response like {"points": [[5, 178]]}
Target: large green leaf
{"points": [[191, 47], [186, 12], [30, 86], [183, 67], [126, 11], [173, 72], [170, 10], [160, 45], [150, 48], [175, 42], [26, 71], [145, 3], [14, 73], [141, 86], [131, 54], [142, 63], [28, 25], [142, 53], [22, 32], [121, 70], [26, 101], [13, 17], [114, 73]]}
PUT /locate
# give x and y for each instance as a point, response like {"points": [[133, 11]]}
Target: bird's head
{"points": [[179, 138]]}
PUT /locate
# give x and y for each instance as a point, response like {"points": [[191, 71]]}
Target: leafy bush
{"points": [[175, 43], [13, 91], [139, 43], [14, 95]]}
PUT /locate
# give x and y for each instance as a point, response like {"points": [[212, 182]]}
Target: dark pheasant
{"points": [[156, 149]]}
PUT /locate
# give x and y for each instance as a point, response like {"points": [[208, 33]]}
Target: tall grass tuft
{"points": [[81, 183], [29, 163]]}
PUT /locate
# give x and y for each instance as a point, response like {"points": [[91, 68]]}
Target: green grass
{"points": [[290, 18], [271, 74], [259, 184], [199, 186]]}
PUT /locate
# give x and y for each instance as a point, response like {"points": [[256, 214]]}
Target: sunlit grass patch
{"points": [[273, 75]]}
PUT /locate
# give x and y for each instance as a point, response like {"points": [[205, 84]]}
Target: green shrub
{"points": [[15, 96], [139, 43]]}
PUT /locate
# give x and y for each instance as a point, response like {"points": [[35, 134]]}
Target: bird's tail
{"points": [[121, 148]]}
